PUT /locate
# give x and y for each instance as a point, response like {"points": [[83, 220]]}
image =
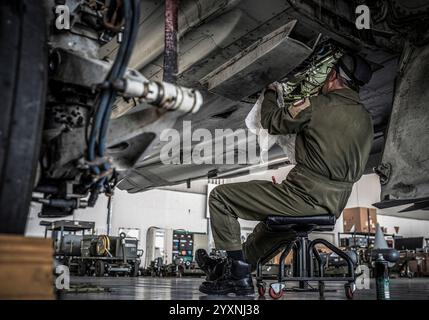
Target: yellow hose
{"points": [[104, 248]]}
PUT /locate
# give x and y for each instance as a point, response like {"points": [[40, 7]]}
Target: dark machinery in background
{"points": [[182, 262], [178, 268], [155, 269], [414, 257], [90, 254], [111, 255], [410, 254], [67, 236]]}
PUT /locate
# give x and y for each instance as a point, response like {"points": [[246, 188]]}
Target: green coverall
{"points": [[334, 138]]}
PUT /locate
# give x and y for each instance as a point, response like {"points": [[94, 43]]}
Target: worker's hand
{"points": [[275, 86]]}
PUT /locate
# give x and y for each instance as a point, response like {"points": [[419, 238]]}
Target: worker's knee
{"points": [[217, 205], [216, 194], [216, 191]]}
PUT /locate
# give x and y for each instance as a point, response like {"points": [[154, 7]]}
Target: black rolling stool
{"points": [[304, 251]]}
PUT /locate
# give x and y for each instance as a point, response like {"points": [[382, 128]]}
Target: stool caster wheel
{"points": [[262, 288], [350, 289], [276, 290], [321, 289]]}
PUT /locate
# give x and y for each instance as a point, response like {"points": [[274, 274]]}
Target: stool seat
{"points": [[301, 223]]}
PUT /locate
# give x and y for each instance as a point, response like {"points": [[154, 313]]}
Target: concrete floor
{"points": [[186, 288]]}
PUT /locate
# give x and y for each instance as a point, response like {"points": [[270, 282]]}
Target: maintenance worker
{"points": [[333, 143]]}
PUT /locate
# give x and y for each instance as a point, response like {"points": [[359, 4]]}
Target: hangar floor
{"points": [[147, 288]]}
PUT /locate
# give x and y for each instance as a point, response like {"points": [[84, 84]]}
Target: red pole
{"points": [[170, 50]]}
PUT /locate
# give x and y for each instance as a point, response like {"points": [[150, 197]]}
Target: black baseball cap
{"points": [[355, 69]]}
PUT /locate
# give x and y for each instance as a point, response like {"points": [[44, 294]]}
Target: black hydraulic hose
{"points": [[107, 96], [128, 49]]}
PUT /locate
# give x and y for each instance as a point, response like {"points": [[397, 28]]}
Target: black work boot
{"points": [[212, 267], [236, 279]]}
